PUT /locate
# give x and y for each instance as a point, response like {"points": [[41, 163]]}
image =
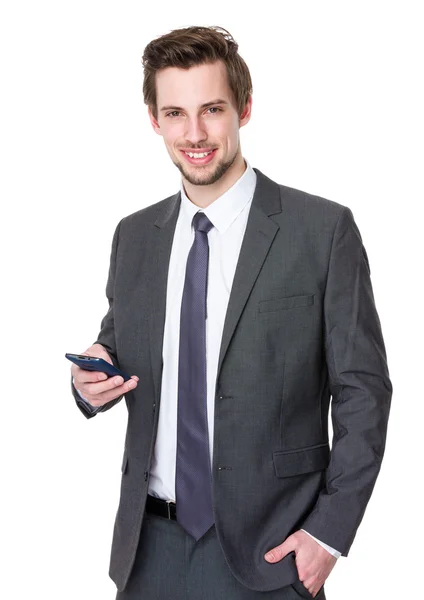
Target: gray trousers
{"points": [[171, 565]]}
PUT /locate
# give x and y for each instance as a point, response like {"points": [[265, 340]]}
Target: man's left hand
{"points": [[314, 563]]}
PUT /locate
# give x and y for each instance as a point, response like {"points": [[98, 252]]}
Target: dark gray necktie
{"points": [[193, 478]]}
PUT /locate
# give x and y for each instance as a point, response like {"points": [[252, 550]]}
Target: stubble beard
{"points": [[205, 177]]}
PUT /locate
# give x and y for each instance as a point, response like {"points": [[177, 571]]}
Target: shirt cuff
{"points": [[329, 549]]}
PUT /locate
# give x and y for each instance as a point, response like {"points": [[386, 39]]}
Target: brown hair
{"points": [[189, 46]]}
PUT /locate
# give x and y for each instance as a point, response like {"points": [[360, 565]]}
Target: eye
{"points": [[210, 108]]}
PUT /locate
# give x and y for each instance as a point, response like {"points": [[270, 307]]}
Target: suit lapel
{"points": [[259, 235], [161, 245]]}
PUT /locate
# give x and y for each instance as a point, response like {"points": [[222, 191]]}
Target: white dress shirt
{"points": [[228, 214]]}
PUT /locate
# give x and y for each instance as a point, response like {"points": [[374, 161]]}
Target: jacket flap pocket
{"points": [[302, 460], [124, 461], [286, 302]]}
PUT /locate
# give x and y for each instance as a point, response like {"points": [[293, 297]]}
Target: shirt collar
{"points": [[225, 209]]}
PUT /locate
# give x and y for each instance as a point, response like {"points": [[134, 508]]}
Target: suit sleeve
{"points": [[360, 387], [106, 336], [329, 549]]}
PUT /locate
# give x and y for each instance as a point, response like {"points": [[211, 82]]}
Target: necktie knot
{"points": [[201, 222]]}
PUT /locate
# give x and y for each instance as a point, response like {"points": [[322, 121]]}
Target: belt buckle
{"points": [[169, 508]]}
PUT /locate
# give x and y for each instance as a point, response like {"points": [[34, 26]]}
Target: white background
{"points": [[337, 111]]}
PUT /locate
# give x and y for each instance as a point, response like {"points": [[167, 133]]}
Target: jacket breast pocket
{"points": [[302, 460], [285, 303]]}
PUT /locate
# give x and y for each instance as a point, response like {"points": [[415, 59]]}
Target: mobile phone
{"points": [[93, 363]]}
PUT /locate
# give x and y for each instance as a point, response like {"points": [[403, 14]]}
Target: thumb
{"points": [[98, 351], [279, 552]]}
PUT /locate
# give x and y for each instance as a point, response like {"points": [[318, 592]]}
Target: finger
{"points": [[279, 552], [111, 383], [100, 352], [95, 388], [113, 393], [84, 376], [97, 351], [87, 382], [312, 588]]}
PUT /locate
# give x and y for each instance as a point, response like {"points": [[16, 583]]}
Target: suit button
{"points": [[146, 474], [154, 407]]}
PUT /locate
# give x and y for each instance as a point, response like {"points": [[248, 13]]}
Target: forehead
{"points": [[191, 87]]}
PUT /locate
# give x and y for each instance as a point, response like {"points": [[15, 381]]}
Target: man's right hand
{"points": [[97, 387]]}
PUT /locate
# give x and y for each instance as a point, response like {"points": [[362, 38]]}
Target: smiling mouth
{"points": [[199, 157]]}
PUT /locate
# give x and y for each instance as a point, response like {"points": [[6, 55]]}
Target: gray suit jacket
{"points": [[301, 327]]}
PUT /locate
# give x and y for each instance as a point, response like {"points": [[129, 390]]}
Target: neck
{"points": [[203, 195]]}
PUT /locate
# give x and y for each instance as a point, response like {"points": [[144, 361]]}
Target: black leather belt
{"points": [[163, 508]]}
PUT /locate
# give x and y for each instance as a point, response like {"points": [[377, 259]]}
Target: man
{"points": [[242, 306]]}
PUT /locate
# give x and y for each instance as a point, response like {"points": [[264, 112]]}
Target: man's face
{"points": [[186, 125]]}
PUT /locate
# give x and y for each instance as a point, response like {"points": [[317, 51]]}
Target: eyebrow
{"points": [[205, 105]]}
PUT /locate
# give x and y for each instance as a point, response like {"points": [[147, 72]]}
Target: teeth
{"points": [[198, 154]]}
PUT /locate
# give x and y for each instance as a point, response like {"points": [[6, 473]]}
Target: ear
{"points": [[154, 122], [247, 111]]}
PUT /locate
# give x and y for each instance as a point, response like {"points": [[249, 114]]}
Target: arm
{"points": [[360, 387], [106, 336]]}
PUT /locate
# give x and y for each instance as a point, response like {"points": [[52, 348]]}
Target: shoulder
{"points": [[305, 211], [312, 204], [299, 205], [145, 217]]}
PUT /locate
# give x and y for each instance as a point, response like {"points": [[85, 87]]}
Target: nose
{"points": [[195, 130]]}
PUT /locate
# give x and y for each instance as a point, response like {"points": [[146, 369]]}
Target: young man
{"points": [[242, 305]]}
